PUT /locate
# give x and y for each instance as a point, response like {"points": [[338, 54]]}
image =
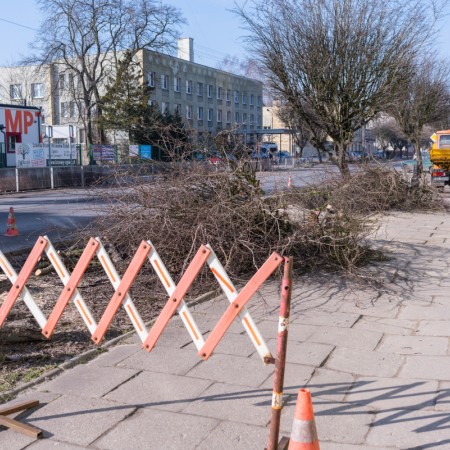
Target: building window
{"points": [[64, 110], [219, 115], [252, 99], [188, 112], [244, 117], [259, 100], [37, 90], [228, 116], [219, 93], [200, 113], [62, 81], [200, 89], [177, 109], [228, 97], [164, 107], [164, 81], [252, 119], [73, 109], [236, 117], [15, 91], [188, 86], [244, 98], [177, 84], [236, 96], [209, 89], [210, 114], [151, 79]]}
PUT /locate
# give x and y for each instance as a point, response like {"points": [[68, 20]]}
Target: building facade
{"points": [[209, 99]]}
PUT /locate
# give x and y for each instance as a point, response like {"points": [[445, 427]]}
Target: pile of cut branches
{"points": [[194, 205]]}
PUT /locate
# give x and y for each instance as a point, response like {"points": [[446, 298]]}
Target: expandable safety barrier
{"points": [[121, 296]]}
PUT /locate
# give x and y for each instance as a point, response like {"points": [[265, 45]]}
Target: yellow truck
{"points": [[440, 157]]}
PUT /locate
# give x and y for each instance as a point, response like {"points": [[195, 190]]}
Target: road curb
{"points": [[91, 354]]}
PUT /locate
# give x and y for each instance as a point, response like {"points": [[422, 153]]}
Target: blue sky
{"points": [[216, 31]]}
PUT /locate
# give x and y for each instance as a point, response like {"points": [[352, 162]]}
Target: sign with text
{"points": [[103, 153], [38, 155]]}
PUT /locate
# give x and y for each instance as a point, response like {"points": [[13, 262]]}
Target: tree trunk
{"points": [[341, 161], [419, 161]]}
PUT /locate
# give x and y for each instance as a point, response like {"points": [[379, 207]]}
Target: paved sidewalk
{"points": [[375, 361]]}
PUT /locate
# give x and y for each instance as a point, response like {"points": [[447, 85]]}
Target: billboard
{"points": [[38, 155]]}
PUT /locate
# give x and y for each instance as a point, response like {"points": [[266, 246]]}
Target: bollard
{"points": [[280, 361]]}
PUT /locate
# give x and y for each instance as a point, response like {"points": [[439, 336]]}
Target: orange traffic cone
{"points": [[304, 432], [290, 182], [11, 228]]}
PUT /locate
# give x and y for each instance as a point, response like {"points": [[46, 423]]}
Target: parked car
{"points": [[282, 154]]}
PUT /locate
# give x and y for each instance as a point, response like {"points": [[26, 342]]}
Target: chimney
{"points": [[186, 49]]}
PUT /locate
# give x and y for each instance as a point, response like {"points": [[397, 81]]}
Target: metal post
{"points": [[82, 175], [52, 180], [280, 361], [17, 181]]}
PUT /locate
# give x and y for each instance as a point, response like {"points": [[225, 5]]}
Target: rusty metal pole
{"points": [[280, 361]]}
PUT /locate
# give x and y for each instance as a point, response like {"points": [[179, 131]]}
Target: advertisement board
{"points": [[37, 155]]}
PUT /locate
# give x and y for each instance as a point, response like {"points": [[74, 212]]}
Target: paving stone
{"points": [[393, 393], [397, 326], [434, 312], [326, 445], [414, 345], [245, 371], [365, 363], [443, 397], [50, 444], [162, 430], [350, 338], [330, 385], [114, 355], [159, 391], [295, 377], [297, 332], [426, 367], [434, 328], [336, 319], [177, 361], [233, 403], [410, 429], [309, 353], [78, 420], [89, 381], [235, 436], [383, 308], [235, 344], [337, 422], [12, 440]]}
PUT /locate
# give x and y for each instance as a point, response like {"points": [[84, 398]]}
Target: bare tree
{"points": [[301, 132], [423, 99], [85, 39], [342, 58], [388, 134]]}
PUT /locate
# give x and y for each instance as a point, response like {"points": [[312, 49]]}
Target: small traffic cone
{"points": [[304, 432], [11, 228], [290, 182]]}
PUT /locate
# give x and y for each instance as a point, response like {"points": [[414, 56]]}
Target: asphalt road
{"points": [[54, 213], [59, 213]]}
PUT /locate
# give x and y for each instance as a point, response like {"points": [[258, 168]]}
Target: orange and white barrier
{"points": [[121, 297]]}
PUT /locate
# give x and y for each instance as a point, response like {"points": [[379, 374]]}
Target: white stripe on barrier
{"points": [[231, 293], [115, 280], [169, 285], [64, 275], [25, 294]]}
